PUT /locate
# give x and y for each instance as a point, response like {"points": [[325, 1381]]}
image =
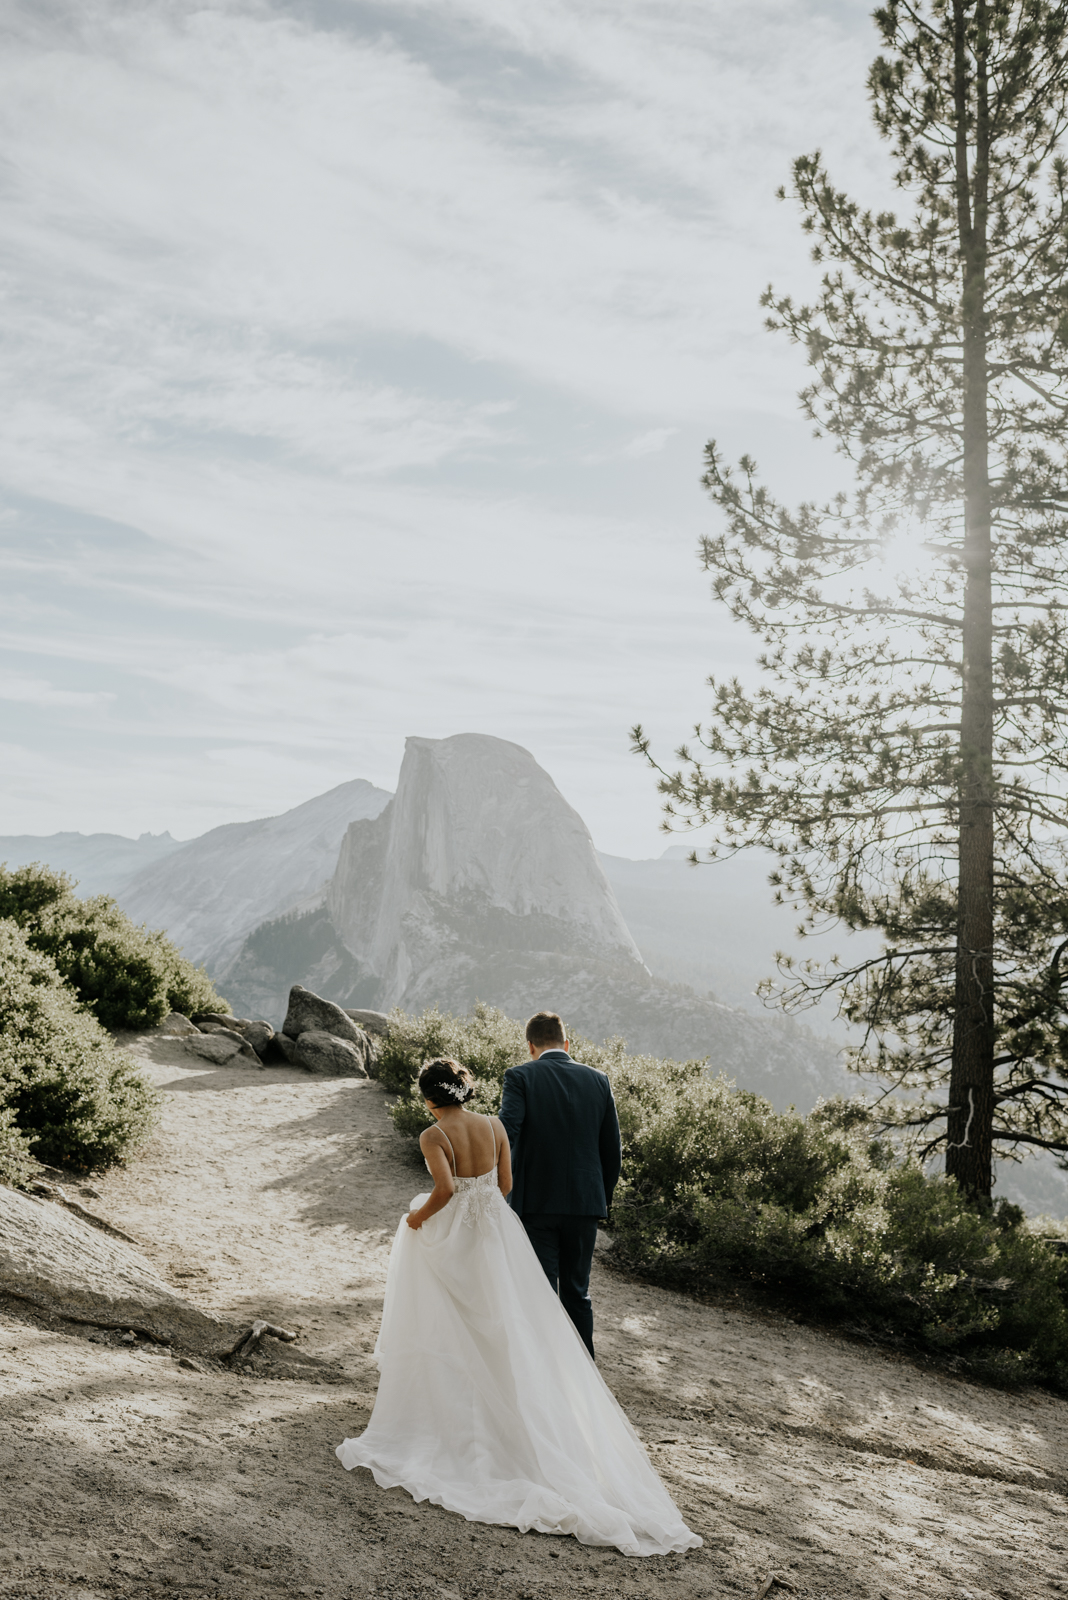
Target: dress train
{"points": [[488, 1401]]}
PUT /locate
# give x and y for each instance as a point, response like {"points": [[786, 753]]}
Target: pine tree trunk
{"points": [[971, 1091]]}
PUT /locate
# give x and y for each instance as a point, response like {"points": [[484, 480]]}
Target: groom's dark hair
{"points": [[545, 1029]]}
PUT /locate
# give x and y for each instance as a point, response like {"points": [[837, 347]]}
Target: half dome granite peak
{"points": [[478, 849]]}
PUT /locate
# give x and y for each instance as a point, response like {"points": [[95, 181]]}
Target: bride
{"points": [[488, 1402]]}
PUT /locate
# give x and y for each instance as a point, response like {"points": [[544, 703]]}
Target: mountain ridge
{"points": [[100, 863], [212, 892]]}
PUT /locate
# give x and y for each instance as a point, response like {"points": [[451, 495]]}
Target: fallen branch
{"points": [[259, 1330], [52, 1191], [774, 1582], [119, 1324]]}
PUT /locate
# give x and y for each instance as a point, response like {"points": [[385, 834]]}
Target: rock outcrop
{"points": [[283, 1048], [175, 1026], [308, 1012], [373, 1022], [232, 1038], [324, 1052], [221, 1048], [257, 1034], [324, 1038], [61, 1264], [213, 891], [317, 1035]]}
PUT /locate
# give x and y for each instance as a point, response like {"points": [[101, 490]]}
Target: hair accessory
{"points": [[457, 1091]]}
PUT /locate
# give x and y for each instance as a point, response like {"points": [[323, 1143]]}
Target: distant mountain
{"points": [[213, 891], [298, 947], [480, 882], [101, 863]]}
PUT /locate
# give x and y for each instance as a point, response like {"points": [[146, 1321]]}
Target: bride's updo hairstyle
{"points": [[445, 1082]]}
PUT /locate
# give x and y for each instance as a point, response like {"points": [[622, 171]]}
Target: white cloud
{"points": [[20, 690], [308, 332], [649, 444], [174, 167]]}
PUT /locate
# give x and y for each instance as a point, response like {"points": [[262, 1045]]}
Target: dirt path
{"points": [[268, 1192]]}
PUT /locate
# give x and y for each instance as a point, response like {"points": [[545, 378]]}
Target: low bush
{"points": [[16, 1163], [488, 1042], [129, 976], [816, 1211], [823, 1215], [68, 1095]]}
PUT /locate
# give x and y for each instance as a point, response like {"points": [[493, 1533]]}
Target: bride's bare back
{"points": [[474, 1141], [477, 1145]]}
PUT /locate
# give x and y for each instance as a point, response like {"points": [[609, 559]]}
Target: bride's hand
{"points": [[414, 1220]]}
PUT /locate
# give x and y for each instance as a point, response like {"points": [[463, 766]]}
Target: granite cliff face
{"points": [[476, 865], [213, 891]]}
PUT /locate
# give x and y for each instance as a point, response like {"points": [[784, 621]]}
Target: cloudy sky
{"points": [[357, 361]]}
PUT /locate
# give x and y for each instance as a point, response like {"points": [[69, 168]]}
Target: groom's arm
{"points": [[513, 1106], [611, 1148]]}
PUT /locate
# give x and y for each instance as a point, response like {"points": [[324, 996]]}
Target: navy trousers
{"points": [[564, 1246]]}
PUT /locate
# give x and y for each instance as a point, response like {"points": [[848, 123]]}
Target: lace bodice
{"points": [[474, 1197], [484, 1180]]}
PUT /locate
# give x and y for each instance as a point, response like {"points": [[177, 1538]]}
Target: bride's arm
{"points": [[504, 1159], [444, 1188]]}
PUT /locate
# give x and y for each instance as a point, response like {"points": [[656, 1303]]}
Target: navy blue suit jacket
{"points": [[561, 1121]]}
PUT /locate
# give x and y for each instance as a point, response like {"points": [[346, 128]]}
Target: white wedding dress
{"points": [[488, 1401]]}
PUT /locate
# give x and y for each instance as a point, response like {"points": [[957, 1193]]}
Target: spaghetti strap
{"points": [[452, 1152]]}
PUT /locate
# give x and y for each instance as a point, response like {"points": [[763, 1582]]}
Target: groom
{"points": [[561, 1122]]}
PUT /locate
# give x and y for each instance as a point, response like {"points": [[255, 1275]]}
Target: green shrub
{"points": [[16, 1163], [129, 976], [68, 1095], [823, 1215], [488, 1042], [815, 1210]]}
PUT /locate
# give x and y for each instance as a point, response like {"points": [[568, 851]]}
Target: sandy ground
{"points": [[265, 1192]]}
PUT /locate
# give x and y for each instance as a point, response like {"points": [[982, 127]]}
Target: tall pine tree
{"points": [[906, 753]]}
